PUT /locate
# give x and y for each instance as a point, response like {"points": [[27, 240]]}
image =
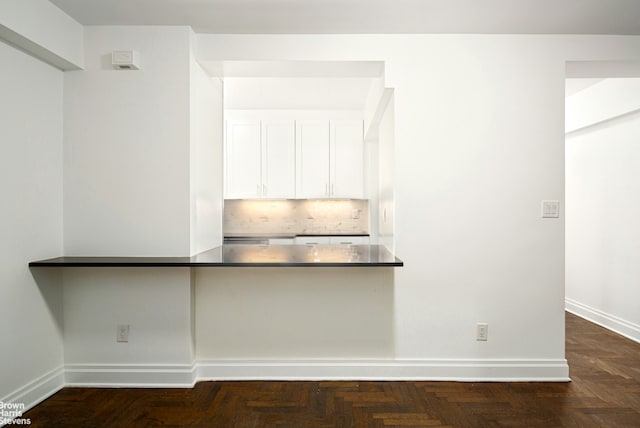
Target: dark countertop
{"points": [[248, 256], [260, 235], [284, 235], [333, 234]]}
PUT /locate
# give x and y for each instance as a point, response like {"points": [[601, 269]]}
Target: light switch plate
{"points": [[550, 209], [482, 331]]}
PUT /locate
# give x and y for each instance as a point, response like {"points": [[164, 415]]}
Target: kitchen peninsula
{"points": [[248, 256], [233, 312]]}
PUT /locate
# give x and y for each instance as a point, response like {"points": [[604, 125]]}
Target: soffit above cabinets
{"points": [[296, 85], [296, 93], [297, 69]]}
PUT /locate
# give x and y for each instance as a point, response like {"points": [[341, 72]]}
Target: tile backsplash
{"points": [[296, 216]]}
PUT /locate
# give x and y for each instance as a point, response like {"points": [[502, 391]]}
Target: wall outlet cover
{"points": [[122, 333]]}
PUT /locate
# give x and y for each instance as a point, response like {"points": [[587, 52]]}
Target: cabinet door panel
{"points": [[278, 159], [347, 159], [312, 240], [349, 240], [312, 153], [242, 156]]}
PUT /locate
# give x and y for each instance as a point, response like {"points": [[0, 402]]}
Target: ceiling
{"points": [[367, 16]]}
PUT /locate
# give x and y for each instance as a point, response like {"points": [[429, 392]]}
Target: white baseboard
{"points": [[434, 370], [186, 375], [130, 375], [608, 321], [37, 390]]}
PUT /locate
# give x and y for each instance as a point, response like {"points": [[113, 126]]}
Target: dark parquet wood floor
{"points": [[605, 392]]}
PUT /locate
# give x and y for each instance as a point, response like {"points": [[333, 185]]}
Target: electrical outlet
{"points": [[482, 331], [122, 333], [355, 214]]}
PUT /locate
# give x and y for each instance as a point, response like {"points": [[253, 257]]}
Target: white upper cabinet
{"points": [[278, 159], [243, 160], [329, 159], [260, 159], [285, 159], [312, 159], [347, 157]]}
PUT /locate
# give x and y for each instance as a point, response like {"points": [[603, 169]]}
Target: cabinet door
{"points": [[347, 159], [278, 159], [349, 240], [312, 159], [281, 241], [243, 160], [312, 240]]}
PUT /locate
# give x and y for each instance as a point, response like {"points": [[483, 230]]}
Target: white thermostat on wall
{"points": [[550, 209], [125, 60]]}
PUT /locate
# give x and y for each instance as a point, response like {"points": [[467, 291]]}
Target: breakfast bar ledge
{"points": [[247, 256]]}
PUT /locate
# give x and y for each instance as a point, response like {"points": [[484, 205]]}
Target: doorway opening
{"points": [[602, 193]]}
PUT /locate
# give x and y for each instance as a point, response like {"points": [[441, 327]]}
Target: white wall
{"points": [[43, 30], [371, 103], [385, 215], [370, 193], [379, 154], [292, 313], [127, 146], [30, 226], [206, 157], [607, 99], [143, 176], [603, 207], [156, 304], [479, 143]]}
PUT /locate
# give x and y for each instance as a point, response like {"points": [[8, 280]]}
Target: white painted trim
{"points": [[130, 375], [428, 370], [186, 375], [603, 319], [38, 389]]}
